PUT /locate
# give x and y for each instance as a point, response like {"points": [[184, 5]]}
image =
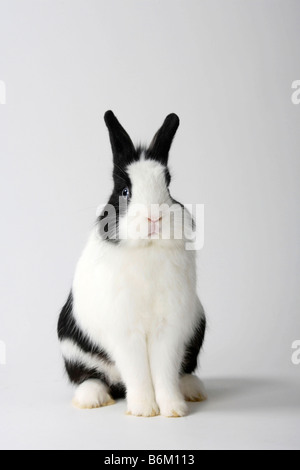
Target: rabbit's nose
{"points": [[154, 221]]}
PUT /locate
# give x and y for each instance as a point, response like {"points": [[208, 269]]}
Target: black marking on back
{"points": [[68, 329], [193, 348]]}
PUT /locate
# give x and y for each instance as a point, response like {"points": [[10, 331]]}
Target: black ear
{"points": [[162, 141], [121, 144]]}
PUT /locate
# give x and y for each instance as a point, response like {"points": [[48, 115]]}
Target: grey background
{"points": [[226, 68]]}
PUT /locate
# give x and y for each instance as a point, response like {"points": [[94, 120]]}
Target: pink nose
{"points": [[154, 220]]}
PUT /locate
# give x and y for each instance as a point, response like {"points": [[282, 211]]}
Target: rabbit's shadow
{"points": [[248, 395]]}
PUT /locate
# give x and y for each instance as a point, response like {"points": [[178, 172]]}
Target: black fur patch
{"points": [[109, 223], [68, 329], [193, 348], [117, 391], [168, 177], [78, 373]]}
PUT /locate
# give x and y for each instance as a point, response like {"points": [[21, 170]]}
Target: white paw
{"points": [[92, 394], [173, 408], [144, 406], [192, 388]]}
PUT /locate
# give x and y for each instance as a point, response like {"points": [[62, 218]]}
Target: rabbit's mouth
{"points": [[154, 235]]}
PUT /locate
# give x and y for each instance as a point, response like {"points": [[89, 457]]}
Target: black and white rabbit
{"points": [[133, 324]]}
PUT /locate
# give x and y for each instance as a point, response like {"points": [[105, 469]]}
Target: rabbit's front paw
{"points": [[173, 408], [142, 407]]}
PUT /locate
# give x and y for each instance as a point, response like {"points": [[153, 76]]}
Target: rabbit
{"points": [[133, 325]]}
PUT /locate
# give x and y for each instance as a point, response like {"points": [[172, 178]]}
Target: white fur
{"points": [[138, 301], [92, 394], [192, 388]]}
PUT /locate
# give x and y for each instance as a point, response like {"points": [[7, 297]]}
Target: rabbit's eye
{"points": [[126, 193]]}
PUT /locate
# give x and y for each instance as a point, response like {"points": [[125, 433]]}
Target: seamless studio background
{"points": [[226, 68]]}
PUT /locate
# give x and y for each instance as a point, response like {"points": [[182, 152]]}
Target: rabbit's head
{"points": [[141, 210]]}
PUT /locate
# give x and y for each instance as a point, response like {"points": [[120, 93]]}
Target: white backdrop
{"points": [[226, 68]]}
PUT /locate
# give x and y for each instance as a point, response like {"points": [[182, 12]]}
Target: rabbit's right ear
{"points": [[121, 144]]}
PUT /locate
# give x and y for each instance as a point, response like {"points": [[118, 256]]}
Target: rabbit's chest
{"points": [[141, 290], [151, 285], [152, 272]]}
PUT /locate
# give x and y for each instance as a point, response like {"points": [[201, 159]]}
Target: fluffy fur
{"points": [[133, 323]]}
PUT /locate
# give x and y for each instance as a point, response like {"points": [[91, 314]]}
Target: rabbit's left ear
{"points": [[121, 144], [162, 141]]}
